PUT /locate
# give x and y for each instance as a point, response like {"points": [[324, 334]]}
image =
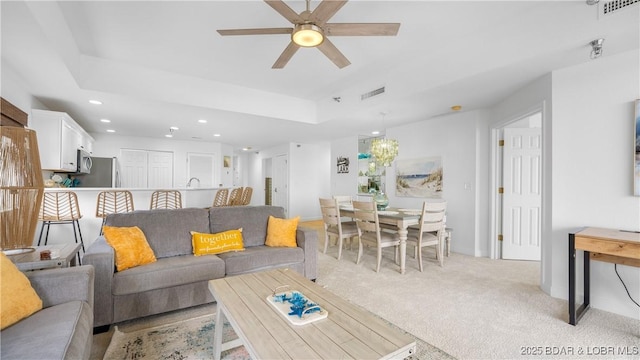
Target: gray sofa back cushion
{"points": [[252, 219], [167, 231]]}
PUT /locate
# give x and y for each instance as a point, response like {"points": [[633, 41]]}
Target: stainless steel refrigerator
{"points": [[104, 173]]}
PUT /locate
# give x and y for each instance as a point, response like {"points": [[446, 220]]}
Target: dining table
{"points": [[401, 218]]}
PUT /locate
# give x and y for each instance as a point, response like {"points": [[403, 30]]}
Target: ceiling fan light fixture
{"points": [[307, 35]]}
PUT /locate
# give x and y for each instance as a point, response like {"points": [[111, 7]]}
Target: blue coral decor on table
{"points": [[299, 304]]}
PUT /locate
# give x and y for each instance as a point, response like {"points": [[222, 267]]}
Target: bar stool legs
{"points": [[76, 233], [60, 207]]}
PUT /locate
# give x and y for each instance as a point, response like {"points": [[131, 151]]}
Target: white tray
{"points": [[284, 308]]}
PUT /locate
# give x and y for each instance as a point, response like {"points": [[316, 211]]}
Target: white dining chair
{"points": [[369, 232], [429, 231], [333, 226]]}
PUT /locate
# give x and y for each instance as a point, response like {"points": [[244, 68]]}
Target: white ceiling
{"points": [[157, 64]]}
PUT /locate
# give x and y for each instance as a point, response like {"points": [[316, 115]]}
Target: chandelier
{"points": [[384, 150]]}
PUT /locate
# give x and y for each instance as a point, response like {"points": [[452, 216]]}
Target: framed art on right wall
{"points": [[636, 168]]}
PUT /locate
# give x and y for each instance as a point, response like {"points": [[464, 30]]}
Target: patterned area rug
{"points": [[193, 339]]}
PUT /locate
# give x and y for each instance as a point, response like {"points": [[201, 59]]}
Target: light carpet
{"points": [[477, 308], [192, 338]]}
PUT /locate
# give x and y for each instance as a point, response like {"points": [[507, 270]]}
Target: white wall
{"points": [[15, 90], [308, 175], [343, 184], [593, 151], [452, 137], [109, 145]]}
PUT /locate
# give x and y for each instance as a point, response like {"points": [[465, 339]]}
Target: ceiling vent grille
{"points": [[372, 93], [613, 6]]}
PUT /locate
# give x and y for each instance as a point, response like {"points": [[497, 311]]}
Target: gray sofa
{"points": [[178, 279], [63, 329]]}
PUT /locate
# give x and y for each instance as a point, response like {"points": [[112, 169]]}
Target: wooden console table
{"points": [[609, 245]]}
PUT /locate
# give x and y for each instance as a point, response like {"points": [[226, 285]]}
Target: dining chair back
{"points": [[343, 199], [333, 226], [166, 199], [369, 231], [221, 198], [429, 231]]}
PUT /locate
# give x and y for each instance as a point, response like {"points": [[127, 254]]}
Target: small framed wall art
{"points": [[343, 165]]}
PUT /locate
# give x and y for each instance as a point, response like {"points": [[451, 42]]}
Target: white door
{"points": [[522, 200], [160, 170], [280, 186], [133, 168]]}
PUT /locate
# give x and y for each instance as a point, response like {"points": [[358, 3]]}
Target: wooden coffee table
{"points": [[66, 256], [349, 331]]}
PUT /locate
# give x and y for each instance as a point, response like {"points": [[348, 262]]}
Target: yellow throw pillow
{"points": [[18, 300], [130, 245], [206, 244], [282, 232]]}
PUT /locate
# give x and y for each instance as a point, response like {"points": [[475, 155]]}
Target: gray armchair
{"points": [[63, 329]]}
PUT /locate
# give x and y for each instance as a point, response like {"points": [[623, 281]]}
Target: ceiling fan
{"points": [[311, 30]]}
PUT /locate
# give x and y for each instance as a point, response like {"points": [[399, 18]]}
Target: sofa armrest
{"points": [[58, 286], [101, 256], [307, 239]]}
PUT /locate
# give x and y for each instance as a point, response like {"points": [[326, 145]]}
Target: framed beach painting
{"points": [[636, 168], [419, 177]]}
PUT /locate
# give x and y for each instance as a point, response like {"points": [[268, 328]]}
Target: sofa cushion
{"points": [[207, 244], [130, 245], [58, 332], [252, 219], [17, 298], [261, 257], [282, 232], [168, 272], [168, 231]]}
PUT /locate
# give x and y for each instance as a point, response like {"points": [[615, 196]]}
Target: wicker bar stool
{"points": [[113, 202], [166, 199], [246, 196], [60, 207], [235, 197], [221, 198]]}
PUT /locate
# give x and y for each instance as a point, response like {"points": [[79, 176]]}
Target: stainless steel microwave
{"points": [[84, 162]]}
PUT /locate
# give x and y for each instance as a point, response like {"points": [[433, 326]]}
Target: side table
{"points": [[65, 256]]}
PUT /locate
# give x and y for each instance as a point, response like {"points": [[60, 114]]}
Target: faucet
{"points": [[193, 178]]}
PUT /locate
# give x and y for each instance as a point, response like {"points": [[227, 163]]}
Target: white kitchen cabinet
{"points": [[59, 138]]}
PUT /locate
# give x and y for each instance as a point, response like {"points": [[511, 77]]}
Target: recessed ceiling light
{"points": [[174, 128], [111, 131], [216, 135], [246, 148], [168, 135], [376, 132], [456, 107], [95, 102], [202, 121], [105, 120]]}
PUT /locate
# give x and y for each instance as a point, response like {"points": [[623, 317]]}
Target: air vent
{"points": [[372, 93], [610, 7]]}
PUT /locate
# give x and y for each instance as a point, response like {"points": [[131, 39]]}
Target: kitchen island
{"points": [[90, 224]]}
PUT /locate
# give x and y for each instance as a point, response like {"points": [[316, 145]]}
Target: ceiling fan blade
{"points": [[284, 10], [286, 55], [323, 12], [332, 52], [264, 31], [362, 29]]}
